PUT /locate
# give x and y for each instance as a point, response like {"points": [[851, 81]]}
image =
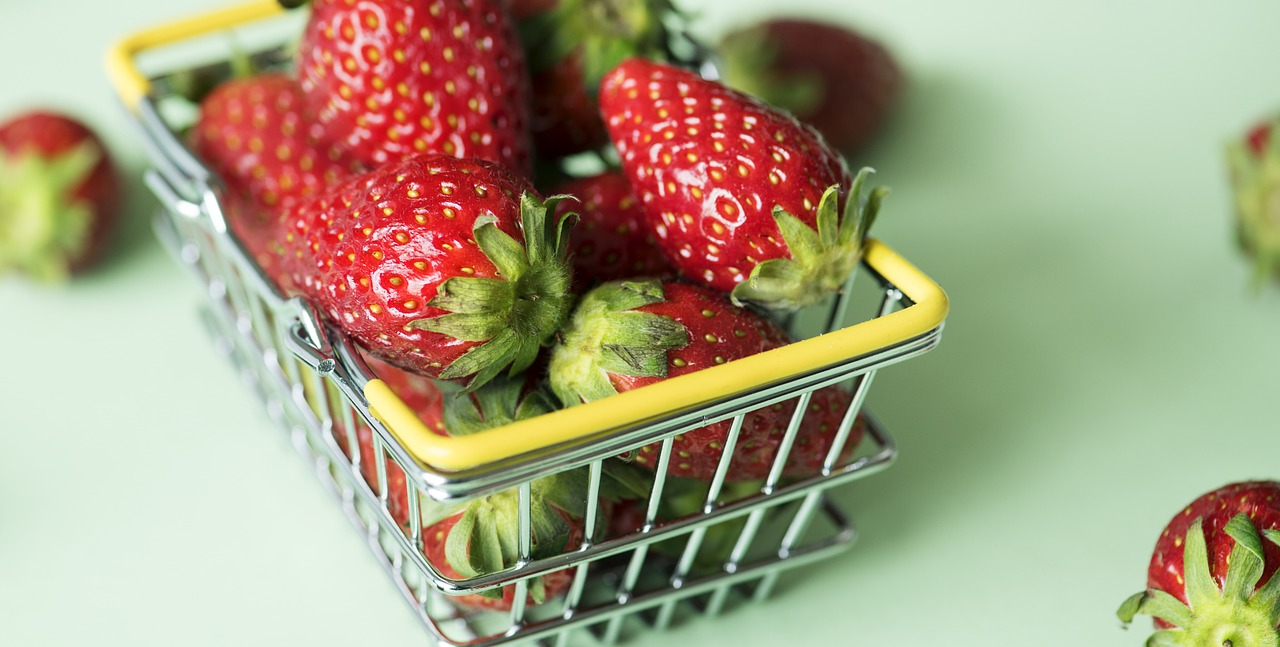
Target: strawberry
{"points": [[255, 133], [393, 78], [1211, 577], [446, 267], [60, 195], [422, 396], [571, 44], [742, 197], [840, 81], [1254, 166], [480, 537], [610, 241], [628, 334]]}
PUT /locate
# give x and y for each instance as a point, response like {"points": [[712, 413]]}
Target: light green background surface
{"points": [[1056, 167]]}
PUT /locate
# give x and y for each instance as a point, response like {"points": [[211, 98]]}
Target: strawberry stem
{"points": [[516, 314], [820, 260], [42, 228], [1235, 615]]}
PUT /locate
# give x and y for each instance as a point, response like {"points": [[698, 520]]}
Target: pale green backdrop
{"points": [[1056, 167]]}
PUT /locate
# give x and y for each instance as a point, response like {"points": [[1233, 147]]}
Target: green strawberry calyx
{"points": [[604, 31], [820, 260], [1240, 614], [515, 314], [607, 335], [1255, 184], [485, 539], [42, 229]]}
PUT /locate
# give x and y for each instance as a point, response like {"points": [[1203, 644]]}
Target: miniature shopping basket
{"points": [[315, 385]]}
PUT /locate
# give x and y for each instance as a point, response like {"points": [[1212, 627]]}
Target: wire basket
{"points": [[315, 385]]}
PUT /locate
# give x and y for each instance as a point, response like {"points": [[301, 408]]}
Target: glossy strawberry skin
{"points": [[257, 136], [564, 115], [50, 134], [718, 333], [1259, 500], [710, 165], [610, 241], [397, 78], [373, 251]]}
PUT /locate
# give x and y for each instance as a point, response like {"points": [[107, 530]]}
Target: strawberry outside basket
{"points": [[312, 382]]}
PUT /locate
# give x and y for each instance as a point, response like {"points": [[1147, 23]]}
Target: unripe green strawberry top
{"points": [[448, 267], [396, 77], [712, 166], [1254, 165]]}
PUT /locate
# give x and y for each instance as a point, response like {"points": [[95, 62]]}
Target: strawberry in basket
{"points": [[610, 240], [1211, 579], [741, 196], [481, 536], [60, 195], [257, 135], [627, 334], [447, 267], [571, 44], [391, 78]]}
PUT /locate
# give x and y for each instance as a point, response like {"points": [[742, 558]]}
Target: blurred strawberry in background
{"points": [[840, 81], [1254, 166], [60, 195]]}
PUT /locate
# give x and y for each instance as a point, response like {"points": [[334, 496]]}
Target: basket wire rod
{"points": [[804, 515], [524, 547], [632, 575], [574, 595], [412, 497], [380, 464], [178, 168], [694, 544], [840, 309], [752, 527]]}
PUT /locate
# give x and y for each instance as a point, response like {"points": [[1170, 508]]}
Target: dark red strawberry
{"points": [[393, 78], [60, 195], [827, 408], [742, 197], [842, 82], [628, 334], [450, 268], [1211, 577], [610, 240], [1254, 165], [255, 133], [571, 44]]}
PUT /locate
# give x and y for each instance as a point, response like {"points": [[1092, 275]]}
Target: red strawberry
{"points": [[842, 82], [480, 537], [1210, 580], [393, 78], [60, 195], [628, 334], [255, 133], [571, 44], [610, 241], [1254, 165], [742, 197], [422, 396], [447, 267]]}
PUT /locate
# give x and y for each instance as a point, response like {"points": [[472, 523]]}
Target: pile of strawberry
{"points": [[408, 177]]}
